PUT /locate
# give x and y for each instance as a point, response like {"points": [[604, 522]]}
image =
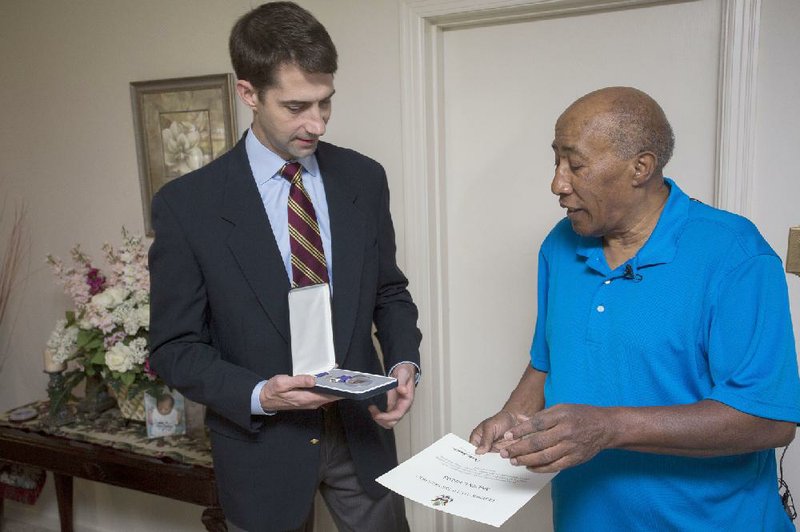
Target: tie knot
{"points": [[291, 171]]}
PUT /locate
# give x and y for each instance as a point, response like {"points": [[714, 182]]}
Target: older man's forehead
{"points": [[584, 118], [586, 115], [569, 129], [566, 147]]}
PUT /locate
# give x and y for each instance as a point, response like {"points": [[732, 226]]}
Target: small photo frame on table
{"points": [[180, 125], [165, 413]]}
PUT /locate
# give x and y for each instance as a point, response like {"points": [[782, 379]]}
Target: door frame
{"points": [[422, 24]]}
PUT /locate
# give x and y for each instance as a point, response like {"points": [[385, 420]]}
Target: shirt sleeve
{"points": [[416, 376], [751, 351], [540, 352], [255, 401]]}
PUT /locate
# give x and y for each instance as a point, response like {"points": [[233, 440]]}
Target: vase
{"points": [[131, 405], [96, 399]]}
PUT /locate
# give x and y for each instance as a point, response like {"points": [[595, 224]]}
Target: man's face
{"points": [[591, 181], [291, 115]]}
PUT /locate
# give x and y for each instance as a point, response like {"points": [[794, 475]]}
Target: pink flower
{"points": [[95, 280], [109, 341], [149, 372]]}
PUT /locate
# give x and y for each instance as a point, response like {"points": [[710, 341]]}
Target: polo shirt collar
{"points": [[662, 245]]}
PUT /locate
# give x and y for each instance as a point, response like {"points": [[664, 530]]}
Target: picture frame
{"points": [[180, 124], [165, 413]]}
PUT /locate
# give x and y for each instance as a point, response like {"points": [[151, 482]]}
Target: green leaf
{"points": [[80, 342], [99, 357], [84, 337], [94, 343], [127, 378], [72, 378], [61, 395]]}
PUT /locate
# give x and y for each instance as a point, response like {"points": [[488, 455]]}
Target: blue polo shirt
{"points": [[701, 312]]}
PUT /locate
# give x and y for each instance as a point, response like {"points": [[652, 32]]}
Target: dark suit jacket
{"points": [[220, 324]]}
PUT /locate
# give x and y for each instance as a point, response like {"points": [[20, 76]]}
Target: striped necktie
{"points": [[308, 257]]}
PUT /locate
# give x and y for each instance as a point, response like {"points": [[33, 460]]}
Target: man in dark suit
{"points": [[222, 266]]}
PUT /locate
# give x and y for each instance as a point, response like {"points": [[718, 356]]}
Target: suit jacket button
{"points": [[313, 441]]}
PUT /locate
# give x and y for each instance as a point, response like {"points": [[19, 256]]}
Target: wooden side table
{"points": [[119, 463]]}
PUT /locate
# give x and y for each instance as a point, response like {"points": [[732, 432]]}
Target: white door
{"points": [[504, 85]]}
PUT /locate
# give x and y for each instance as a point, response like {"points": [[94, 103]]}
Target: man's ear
{"points": [[247, 93], [644, 167]]}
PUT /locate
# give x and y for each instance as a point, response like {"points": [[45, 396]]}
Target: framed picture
{"points": [[180, 125], [165, 413]]}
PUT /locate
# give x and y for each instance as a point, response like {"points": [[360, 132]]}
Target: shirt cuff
{"points": [[255, 402], [416, 376]]}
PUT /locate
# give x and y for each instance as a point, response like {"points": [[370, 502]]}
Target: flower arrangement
{"points": [[106, 332]]}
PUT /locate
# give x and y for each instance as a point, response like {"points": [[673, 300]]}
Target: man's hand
{"points": [[559, 437], [398, 400], [283, 392], [488, 436]]}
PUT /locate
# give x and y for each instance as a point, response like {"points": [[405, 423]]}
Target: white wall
{"points": [[67, 150], [504, 86], [776, 204], [502, 168]]}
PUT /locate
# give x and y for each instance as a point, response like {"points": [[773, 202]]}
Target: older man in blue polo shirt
{"points": [[663, 370]]}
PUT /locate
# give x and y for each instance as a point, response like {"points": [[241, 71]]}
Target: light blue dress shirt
{"points": [[274, 191]]}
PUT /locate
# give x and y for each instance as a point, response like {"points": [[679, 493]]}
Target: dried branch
{"points": [[10, 263]]}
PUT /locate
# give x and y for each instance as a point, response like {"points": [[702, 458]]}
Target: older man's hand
{"points": [[559, 437], [488, 435]]}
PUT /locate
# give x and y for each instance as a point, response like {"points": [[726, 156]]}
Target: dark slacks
{"points": [[351, 508]]}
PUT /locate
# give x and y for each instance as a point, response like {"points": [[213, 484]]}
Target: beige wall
{"points": [[776, 204], [67, 150]]}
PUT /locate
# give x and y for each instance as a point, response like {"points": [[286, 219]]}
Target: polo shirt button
{"points": [[313, 441], [607, 281], [601, 308]]}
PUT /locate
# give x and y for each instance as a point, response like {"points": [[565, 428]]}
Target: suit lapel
{"points": [[347, 242], [252, 241]]}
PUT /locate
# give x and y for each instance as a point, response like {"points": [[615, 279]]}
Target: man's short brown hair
{"points": [[277, 33]]}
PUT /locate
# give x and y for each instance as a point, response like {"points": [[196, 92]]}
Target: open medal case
{"points": [[311, 328]]}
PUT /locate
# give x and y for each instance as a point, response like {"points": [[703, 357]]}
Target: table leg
{"points": [[214, 519], [64, 495]]}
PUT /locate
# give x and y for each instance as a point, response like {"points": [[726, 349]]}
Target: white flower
{"points": [[55, 336], [128, 316], [182, 151], [109, 298], [141, 296], [63, 341], [140, 352], [120, 358], [144, 316]]}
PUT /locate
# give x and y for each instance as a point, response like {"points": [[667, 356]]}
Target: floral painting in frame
{"points": [[180, 125]]}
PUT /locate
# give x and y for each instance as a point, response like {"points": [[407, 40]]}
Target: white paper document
{"points": [[449, 476]]}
